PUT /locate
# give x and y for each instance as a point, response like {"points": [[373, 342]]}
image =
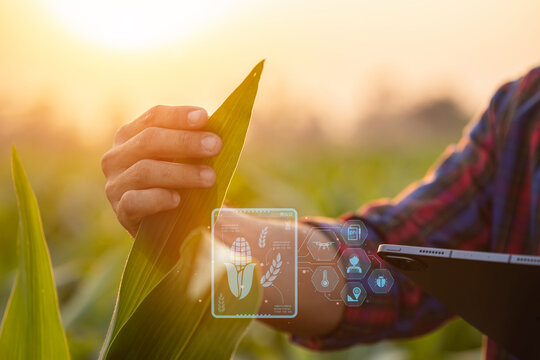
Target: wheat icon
{"points": [[221, 303], [262, 237], [273, 272]]}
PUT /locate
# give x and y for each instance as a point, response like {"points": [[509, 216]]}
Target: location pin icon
{"points": [[356, 292]]}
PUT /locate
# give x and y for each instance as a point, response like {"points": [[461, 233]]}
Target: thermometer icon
{"points": [[324, 281]]}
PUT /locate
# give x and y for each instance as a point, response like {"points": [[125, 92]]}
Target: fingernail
{"points": [[207, 175], [195, 117], [208, 143], [176, 197]]}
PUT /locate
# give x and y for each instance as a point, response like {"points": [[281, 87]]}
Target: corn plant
{"points": [[163, 304], [31, 328]]}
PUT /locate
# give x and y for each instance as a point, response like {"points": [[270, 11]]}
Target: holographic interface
{"points": [[356, 276], [333, 258], [275, 257]]}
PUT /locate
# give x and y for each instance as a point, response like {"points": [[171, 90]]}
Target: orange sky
{"points": [[329, 58]]}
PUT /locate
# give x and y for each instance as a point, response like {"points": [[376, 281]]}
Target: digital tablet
{"points": [[499, 294]]}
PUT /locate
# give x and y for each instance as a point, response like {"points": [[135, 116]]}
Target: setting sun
{"points": [[123, 24]]}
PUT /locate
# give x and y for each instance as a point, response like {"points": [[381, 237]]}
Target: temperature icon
{"points": [[324, 281]]}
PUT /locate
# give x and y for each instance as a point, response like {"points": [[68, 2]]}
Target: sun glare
{"points": [[137, 24]]}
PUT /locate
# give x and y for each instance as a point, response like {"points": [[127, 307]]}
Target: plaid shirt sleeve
{"points": [[449, 208]]}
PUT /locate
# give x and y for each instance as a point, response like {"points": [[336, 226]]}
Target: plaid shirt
{"points": [[484, 195]]}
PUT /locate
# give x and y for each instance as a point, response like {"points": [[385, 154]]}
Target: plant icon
{"points": [[262, 237], [240, 270], [221, 303], [268, 278]]}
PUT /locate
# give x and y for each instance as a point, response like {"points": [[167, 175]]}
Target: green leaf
{"points": [[31, 328], [174, 320], [156, 248]]}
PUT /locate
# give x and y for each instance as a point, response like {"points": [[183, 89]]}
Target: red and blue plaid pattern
{"points": [[484, 195]]}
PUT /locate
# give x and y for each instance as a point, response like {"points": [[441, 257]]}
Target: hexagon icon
{"points": [[354, 232], [353, 293], [323, 244], [380, 281], [354, 264], [325, 278]]}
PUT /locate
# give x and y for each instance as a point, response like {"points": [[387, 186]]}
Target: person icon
{"points": [[353, 267]]}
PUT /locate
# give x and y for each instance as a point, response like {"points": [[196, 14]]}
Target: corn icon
{"points": [[240, 270]]}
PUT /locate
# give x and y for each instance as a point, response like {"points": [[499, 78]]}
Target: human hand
{"points": [[142, 178]]}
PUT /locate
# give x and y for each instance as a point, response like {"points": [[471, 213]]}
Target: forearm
{"points": [[316, 315]]}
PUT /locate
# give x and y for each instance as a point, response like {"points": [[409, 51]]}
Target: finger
{"points": [[159, 143], [134, 205], [171, 117], [147, 174]]}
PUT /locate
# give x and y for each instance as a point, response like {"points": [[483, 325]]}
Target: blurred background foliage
{"points": [[283, 165], [358, 100]]}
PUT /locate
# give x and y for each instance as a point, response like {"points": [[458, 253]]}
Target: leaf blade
{"points": [[181, 322], [156, 248], [31, 327]]}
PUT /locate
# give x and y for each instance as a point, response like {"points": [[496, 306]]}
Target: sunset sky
{"points": [[328, 58]]}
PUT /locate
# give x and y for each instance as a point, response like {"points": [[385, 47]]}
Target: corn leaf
{"points": [[156, 248], [31, 327], [174, 320]]}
